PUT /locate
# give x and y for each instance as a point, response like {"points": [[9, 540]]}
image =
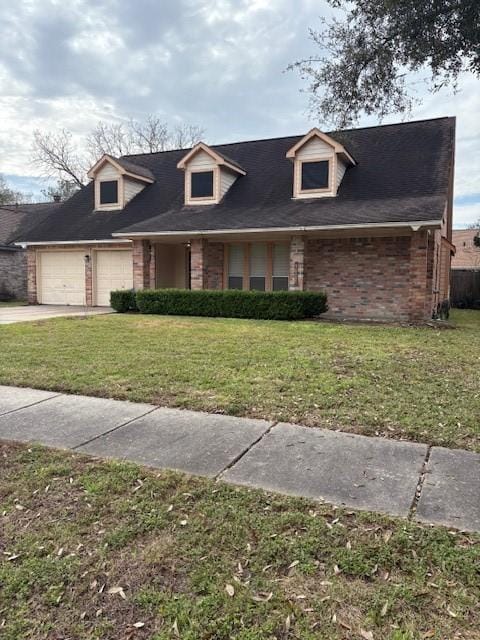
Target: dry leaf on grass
{"points": [[117, 591], [367, 635], [230, 590]]}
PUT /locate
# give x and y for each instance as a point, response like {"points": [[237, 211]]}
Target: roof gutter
{"points": [[69, 242], [414, 226]]}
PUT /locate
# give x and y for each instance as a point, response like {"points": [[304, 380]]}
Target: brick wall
{"points": [[198, 264], [13, 273], [141, 264], [365, 278], [215, 255]]}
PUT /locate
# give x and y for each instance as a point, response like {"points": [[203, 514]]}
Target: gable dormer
{"points": [[208, 175], [319, 164], [116, 182]]}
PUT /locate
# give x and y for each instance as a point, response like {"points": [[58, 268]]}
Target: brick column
{"points": [[153, 266], [420, 277], [32, 276], [141, 264], [198, 262], [297, 260]]}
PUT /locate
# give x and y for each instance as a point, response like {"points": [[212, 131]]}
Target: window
{"points": [[315, 175], [280, 267], [201, 184], [235, 266], [258, 264], [109, 192]]}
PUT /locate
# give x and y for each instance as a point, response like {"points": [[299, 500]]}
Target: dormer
{"points": [[319, 164], [208, 175], [117, 181]]}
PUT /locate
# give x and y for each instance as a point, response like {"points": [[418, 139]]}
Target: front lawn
{"points": [[13, 303], [416, 383], [93, 550]]}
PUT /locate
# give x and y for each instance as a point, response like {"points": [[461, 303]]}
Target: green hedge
{"points": [[274, 305], [123, 300]]}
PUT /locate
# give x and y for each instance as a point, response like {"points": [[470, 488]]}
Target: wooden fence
{"points": [[465, 288]]}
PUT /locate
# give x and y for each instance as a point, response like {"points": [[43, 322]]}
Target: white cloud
{"points": [[465, 215]]}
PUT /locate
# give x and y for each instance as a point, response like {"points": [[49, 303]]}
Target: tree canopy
{"points": [[366, 58]]}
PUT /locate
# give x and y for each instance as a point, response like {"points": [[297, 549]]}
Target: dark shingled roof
{"points": [[135, 168], [18, 220], [402, 176]]}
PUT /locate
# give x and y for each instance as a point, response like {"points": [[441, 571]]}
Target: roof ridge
{"points": [[227, 144]]}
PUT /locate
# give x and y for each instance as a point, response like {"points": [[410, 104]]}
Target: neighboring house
{"points": [[466, 269], [364, 214], [467, 255], [16, 221]]}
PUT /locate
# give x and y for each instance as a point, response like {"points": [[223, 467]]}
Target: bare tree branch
{"points": [[54, 153]]}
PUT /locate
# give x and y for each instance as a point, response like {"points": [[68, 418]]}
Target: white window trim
{"points": [[111, 206], [330, 190], [215, 198]]}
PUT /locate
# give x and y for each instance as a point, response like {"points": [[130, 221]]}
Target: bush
{"points": [[123, 300], [274, 305]]}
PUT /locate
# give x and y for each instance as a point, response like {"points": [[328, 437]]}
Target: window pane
{"points": [[280, 283], [235, 282], [258, 259], [281, 260], [235, 260], [202, 184], [257, 284], [315, 175], [109, 192]]}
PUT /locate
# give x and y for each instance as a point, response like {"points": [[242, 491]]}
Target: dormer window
{"points": [[116, 182], [208, 175], [109, 192], [201, 185], [315, 175], [319, 164]]}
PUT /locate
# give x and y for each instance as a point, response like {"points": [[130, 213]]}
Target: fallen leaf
{"points": [[451, 613], [183, 522], [230, 590], [139, 625], [117, 591], [175, 628], [293, 564], [384, 610], [387, 535], [367, 635], [287, 623]]}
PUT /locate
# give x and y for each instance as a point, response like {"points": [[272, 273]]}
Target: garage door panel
{"points": [[113, 270], [62, 278]]}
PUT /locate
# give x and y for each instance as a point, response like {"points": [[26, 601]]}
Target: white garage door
{"points": [[114, 270], [62, 277]]}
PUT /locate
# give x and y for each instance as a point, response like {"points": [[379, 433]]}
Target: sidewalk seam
{"points": [[420, 483], [32, 404], [106, 433], [244, 452]]}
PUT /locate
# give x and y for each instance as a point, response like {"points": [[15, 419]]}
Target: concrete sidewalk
{"points": [[431, 485]]}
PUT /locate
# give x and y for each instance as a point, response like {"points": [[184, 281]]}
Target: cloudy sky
{"points": [[219, 64]]}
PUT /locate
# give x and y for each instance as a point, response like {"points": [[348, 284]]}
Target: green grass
{"points": [[74, 528], [416, 383]]}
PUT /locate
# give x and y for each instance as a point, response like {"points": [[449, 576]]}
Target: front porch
{"points": [[210, 264]]}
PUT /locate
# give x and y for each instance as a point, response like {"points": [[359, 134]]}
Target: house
{"points": [[16, 221], [364, 214], [466, 268]]}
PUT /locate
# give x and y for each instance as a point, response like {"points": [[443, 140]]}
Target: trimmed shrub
{"points": [[271, 305], [123, 300]]}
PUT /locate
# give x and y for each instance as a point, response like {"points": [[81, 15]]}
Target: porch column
{"points": [[297, 261], [141, 264], [32, 276], [420, 277], [198, 264], [89, 281], [153, 266]]}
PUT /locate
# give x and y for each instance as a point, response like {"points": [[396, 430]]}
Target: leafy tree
{"points": [[10, 196], [365, 57], [63, 190], [59, 154]]}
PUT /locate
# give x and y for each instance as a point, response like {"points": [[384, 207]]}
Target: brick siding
{"points": [[365, 278], [13, 273], [215, 256]]}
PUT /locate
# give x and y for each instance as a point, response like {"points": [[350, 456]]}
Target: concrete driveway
{"points": [[12, 314]]}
